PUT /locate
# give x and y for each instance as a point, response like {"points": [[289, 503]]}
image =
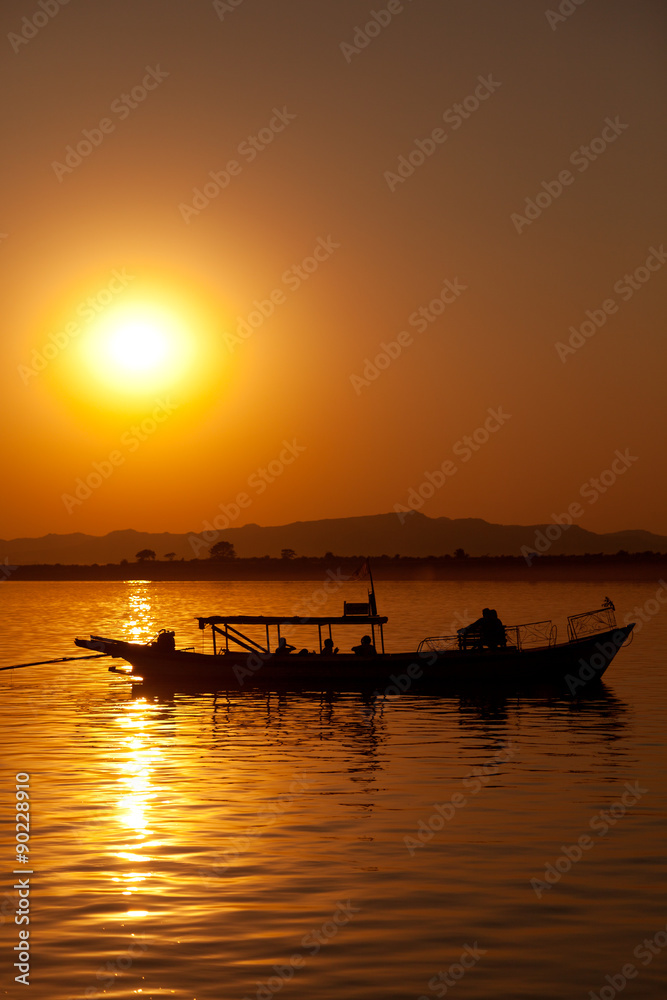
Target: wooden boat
{"points": [[528, 657]]}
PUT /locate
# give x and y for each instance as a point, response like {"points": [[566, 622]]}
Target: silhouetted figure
{"points": [[283, 647], [165, 641], [366, 648], [328, 648], [487, 631]]}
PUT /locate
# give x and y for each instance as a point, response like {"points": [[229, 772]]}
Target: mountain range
{"points": [[413, 534]]}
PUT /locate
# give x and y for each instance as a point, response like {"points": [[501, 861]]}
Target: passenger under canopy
{"points": [[224, 625]]}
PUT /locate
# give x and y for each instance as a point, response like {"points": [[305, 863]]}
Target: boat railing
{"points": [[439, 643], [523, 636], [590, 622], [536, 634]]}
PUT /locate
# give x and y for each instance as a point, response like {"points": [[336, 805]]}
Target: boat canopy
{"points": [[282, 620], [223, 625]]}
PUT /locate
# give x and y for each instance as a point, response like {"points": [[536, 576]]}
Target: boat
{"points": [[528, 656]]}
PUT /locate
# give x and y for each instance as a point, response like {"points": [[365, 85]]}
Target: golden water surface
{"points": [[205, 847]]}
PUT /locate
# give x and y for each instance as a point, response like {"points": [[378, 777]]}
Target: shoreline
{"points": [[636, 567]]}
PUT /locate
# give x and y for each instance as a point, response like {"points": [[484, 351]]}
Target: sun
{"points": [[116, 351], [139, 346]]}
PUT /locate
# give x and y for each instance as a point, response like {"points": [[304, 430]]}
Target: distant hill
{"points": [[373, 535]]}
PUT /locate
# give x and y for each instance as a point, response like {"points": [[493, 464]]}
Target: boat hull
{"points": [[570, 665]]}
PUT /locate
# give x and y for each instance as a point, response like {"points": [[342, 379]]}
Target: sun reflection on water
{"points": [[135, 762], [139, 621]]}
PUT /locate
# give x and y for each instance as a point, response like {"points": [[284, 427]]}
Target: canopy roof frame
{"points": [[292, 620], [247, 643]]}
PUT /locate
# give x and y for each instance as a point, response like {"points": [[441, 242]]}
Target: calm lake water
{"points": [[200, 847]]}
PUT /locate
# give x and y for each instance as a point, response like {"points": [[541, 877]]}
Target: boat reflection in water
{"points": [[363, 721]]}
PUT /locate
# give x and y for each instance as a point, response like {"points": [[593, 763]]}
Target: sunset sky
{"points": [[217, 216]]}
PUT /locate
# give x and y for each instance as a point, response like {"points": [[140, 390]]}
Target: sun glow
{"points": [[116, 353], [138, 344]]}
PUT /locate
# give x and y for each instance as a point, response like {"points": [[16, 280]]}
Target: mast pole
{"points": [[371, 596]]}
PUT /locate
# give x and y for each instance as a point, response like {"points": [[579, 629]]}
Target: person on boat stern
{"points": [[165, 641], [366, 648], [328, 648], [283, 647], [486, 631]]}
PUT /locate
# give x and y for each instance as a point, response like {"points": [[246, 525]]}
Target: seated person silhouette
{"points": [[487, 631], [283, 648], [366, 648], [328, 648]]}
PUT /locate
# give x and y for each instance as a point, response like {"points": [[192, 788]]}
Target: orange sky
{"points": [[362, 181]]}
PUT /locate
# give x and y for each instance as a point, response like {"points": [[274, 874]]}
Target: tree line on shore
{"points": [[225, 552]]}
